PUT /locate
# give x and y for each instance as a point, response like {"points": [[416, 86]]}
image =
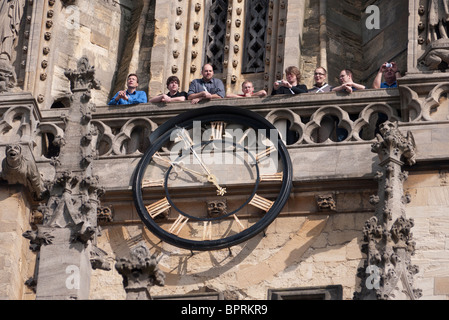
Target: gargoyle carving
{"points": [[139, 272], [18, 169], [326, 202]]}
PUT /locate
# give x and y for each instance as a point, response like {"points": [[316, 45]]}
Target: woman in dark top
{"points": [[291, 85]]}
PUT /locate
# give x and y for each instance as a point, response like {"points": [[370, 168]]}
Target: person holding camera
{"points": [[390, 73], [291, 85]]}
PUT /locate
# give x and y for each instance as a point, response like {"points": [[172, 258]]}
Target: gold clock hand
{"points": [[210, 177], [177, 164], [213, 179]]}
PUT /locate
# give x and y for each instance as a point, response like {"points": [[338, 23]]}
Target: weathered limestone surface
{"points": [[16, 260], [310, 244]]}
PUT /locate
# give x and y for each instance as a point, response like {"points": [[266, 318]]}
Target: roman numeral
{"points": [[241, 227], [178, 225], [185, 136], [264, 154], [272, 177], [217, 128], [245, 135], [261, 203], [157, 156], [146, 183], [207, 230], [158, 207]]}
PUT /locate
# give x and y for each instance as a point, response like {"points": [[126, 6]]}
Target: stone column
{"points": [[388, 272], [139, 272]]}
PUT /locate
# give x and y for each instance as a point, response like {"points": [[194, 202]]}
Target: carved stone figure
{"points": [[326, 202], [139, 272], [7, 76], [11, 12], [18, 169], [216, 208], [436, 55], [437, 19]]}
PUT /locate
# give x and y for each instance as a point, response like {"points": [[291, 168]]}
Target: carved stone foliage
{"points": [[388, 272], [139, 272], [83, 78]]}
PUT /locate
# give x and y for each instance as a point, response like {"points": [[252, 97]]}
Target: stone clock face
{"points": [[212, 178]]}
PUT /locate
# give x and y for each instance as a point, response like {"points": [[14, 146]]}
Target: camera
{"points": [[388, 65], [279, 81]]}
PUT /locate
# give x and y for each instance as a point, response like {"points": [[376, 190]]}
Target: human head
{"points": [[247, 87], [320, 76], [132, 80], [389, 75], [294, 71], [207, 72], [172, 80], [345, 76]]}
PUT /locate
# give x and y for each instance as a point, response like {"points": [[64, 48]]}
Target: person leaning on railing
{"points": [[291, 84], [130, 95]]}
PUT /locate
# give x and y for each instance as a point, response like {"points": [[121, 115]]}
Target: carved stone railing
{"points": [[310, 123], [313, 119]]}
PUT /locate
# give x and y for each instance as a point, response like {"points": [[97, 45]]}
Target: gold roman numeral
{"points": [[272, 177], [158, 207], [146, 183], [207, 230], [264, 154], [245, 135], [178, 225], [261, 203], [185, 136], [241, 227], [162, 159], [217, 128]]}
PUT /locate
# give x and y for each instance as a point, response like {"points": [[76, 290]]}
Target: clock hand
{"points": [[210, 177], [220, 191], [177, 164]]}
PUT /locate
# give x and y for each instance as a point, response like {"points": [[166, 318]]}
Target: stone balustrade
{"points": [[311, 125]]}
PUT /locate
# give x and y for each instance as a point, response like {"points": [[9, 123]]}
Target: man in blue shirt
{"points": [[207, 87], [390, 73], [131, 95]]}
